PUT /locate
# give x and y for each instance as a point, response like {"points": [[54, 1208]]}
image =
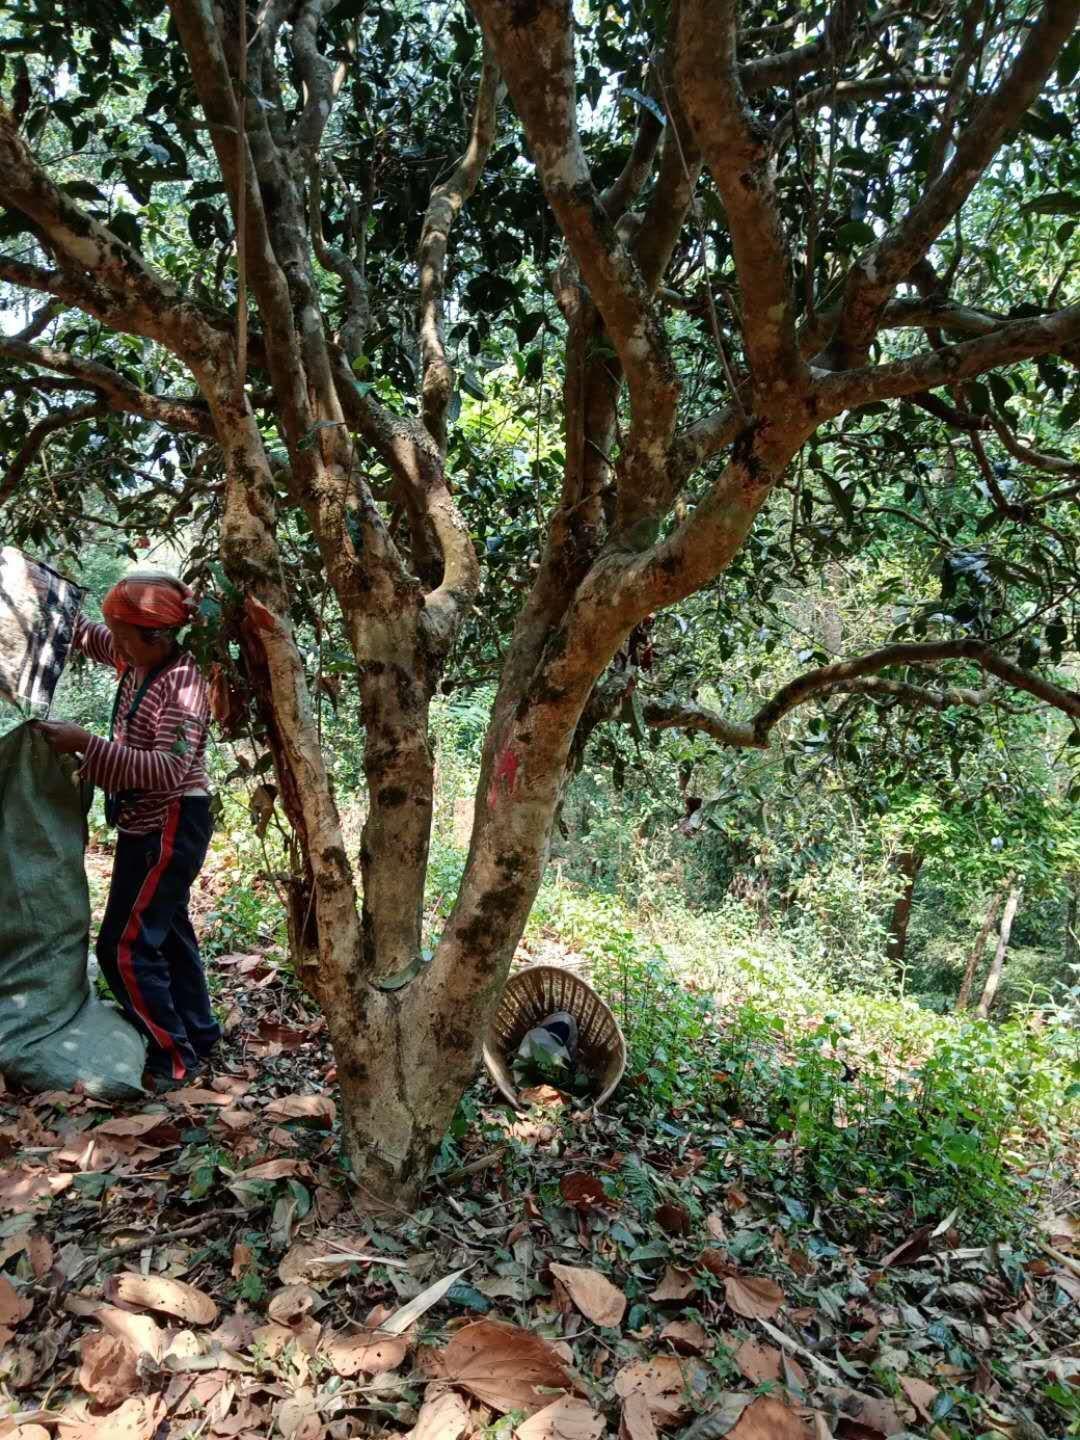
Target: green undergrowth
{"points": [[850, 1106]]}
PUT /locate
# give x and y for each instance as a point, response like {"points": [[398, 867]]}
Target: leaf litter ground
{"points": [[193, 1267]]}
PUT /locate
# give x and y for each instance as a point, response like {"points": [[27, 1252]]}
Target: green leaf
{"points": [[854, 233]]}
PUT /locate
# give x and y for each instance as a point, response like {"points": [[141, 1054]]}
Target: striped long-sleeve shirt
{"points": [[160, 753]]}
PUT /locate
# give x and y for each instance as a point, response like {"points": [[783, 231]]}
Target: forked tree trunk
{"points": [[993, 980], [908, 865], [978, 950]]}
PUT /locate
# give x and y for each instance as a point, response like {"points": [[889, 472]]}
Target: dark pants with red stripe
{"points": [[147, 949]]}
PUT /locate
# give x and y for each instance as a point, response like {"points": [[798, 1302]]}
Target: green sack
{"points": [[55, 1033]]}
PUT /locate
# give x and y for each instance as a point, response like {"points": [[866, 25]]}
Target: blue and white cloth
{"points": [[38, 609]]}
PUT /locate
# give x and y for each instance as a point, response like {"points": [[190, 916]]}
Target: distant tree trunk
{"points": [[1072, 924], [978, 950], [908, 864], [993, 980]]}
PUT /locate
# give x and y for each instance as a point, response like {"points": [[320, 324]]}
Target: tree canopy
{"points": [[564, 350]]}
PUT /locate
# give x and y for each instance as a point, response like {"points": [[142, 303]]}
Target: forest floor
{"points": [[192, 1267]]}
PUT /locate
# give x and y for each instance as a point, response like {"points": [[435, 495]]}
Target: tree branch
{"points": [[446, 201], [670, 713], [35, 439], [741, 161], [148, 303], [117, 393], [843, 672], [1017, 340], [534, 47], [877, 272]]}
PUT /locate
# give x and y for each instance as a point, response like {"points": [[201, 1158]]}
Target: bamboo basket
{"points": [[532, 994]]}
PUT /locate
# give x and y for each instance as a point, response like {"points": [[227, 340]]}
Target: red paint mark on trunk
{"points": [[504, 775]]}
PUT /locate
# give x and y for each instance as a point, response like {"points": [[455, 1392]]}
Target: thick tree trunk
{"points": [[993, 980], [908, 865], [978, 950]]}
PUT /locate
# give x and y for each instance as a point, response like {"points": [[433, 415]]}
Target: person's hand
{"points": [[65, 739]]}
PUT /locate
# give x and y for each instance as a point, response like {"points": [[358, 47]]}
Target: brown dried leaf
{"points": [[14, 1308], [40, 1251], [274, 1170], [753, 1297], [674, 1285], [196, 1095], [503, 1366], [757, 1362], [303, 1107], [136, 1419], [24, 1432], [22, 1189], [687, 1337], [912, 1248], [298, 1417], [139, 1126], [673, 1218], [567, 1418], [168, 1297], [292, 1304], [142, 1333], [582, 1191], [670, 1385], [109, 1369], [597, 1299], [366, 1353], [443, 1416], [921, 1394], [636, 1422], [766, 1419]]}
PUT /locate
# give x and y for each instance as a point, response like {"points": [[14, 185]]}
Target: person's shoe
{"points": [[160, 1084]]}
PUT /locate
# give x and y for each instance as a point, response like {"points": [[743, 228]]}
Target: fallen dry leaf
{"points": [[298, 1417], [674, 1285], [582, 1191], [443, 1416], [670, 1385], [757, 1362], [141, 1332], [673, 1218], [292, 1304], [503, 1366], [196, 1095], [597, 1299], [366, 1353], [636, 1422], [921, 1394], [567, 1418], [767, 1419], [21, 1189], [274, 1170], [753, 1297], [303, 1107], [109, 1369], [41, 1255], [915, 1245], [138, 1126], [137, 1419], [687, 1336], [14, 1308], [23, 1432], [168, 1297]]}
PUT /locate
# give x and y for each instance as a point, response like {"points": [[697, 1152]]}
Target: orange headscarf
{"points": [[150, 600]]}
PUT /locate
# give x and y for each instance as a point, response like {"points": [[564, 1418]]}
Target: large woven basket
{"points": [[537, 992]]}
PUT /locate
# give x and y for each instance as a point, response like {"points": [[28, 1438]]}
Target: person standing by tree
{"points": [[153, 771]]}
